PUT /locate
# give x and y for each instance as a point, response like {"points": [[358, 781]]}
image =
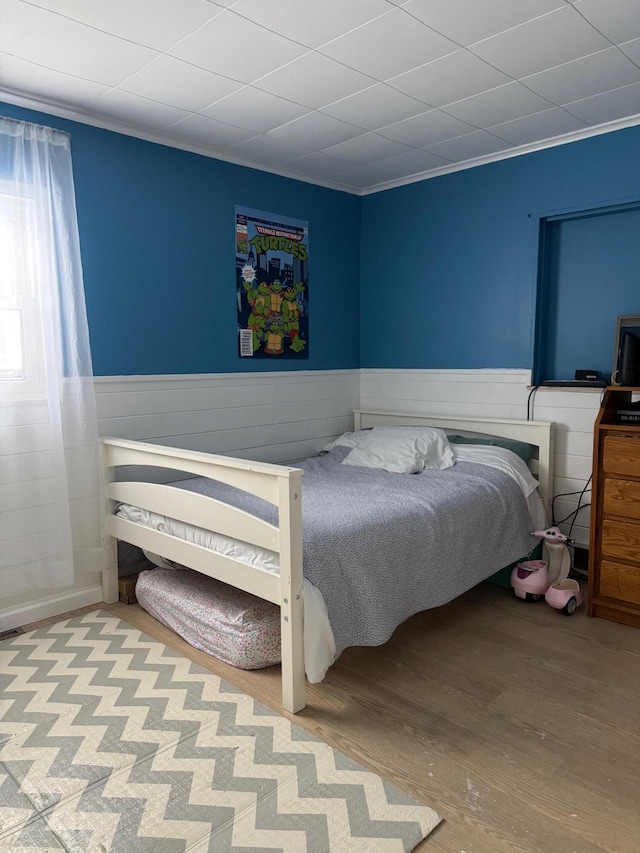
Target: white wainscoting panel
{"points": [[574, 412], [501, 394], [270, 417]]}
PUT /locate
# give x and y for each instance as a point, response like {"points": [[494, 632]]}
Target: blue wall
{"points": [[437, 274], [157, 241], [449, 265]]}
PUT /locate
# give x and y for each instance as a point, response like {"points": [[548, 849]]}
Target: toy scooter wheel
{"points": [[570, 606], [531, 596]]}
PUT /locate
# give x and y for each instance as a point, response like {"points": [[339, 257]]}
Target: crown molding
{"points": [[62, 111], [529, 148]]}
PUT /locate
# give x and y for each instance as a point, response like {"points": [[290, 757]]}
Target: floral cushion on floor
{"points": [[228, 623]]}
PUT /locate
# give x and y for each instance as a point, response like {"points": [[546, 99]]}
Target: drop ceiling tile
{"points": [[609, 106], [314, 80], [254, 110], [425, 129], [365, 149], [52, 5], [309, 22], [361, 176], [135, 111], [207, 132], [179, 84], [236, 48], [318, 165], [468, 21], [618, 20], [389, 45], [316, 130], [467, 147], [632, 50], [375, 107], [409, 163], [450, 78], [590, 75], [544, 125], [155, 23], [320, 75], [20, 22], [33, 80], [79, 50], [545, 42], [498, 105], [266, 151]]}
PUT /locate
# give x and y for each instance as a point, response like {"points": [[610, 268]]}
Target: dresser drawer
{"points": [[622, 497], [622, 455], [621, 539], [621, 582]]}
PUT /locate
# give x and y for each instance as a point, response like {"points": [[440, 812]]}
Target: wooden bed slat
{"points": [[291, 580], [198, 510], [251, 579], [260, 479]]}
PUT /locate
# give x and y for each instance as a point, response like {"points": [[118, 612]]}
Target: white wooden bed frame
{"points": [[281, 486]]}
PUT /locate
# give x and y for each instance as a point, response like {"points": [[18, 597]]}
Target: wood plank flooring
{"points": [[519, 725]]}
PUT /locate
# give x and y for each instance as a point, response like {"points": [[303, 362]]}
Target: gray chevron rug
{"points": [[112, 743]]}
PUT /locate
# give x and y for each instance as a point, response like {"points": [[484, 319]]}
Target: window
{"points": [[20, 347]]}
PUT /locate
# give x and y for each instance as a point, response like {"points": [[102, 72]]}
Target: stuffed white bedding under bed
{"points": [[187, 525]]}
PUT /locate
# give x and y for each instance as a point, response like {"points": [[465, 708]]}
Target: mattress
{"points": [[228, 623]]}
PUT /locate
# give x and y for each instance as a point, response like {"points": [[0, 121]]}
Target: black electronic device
{"points": [[588, 375], [629, 364], [574, 383], [629, 413]]}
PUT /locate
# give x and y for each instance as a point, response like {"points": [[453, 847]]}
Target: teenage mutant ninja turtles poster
{"points": [[272, 284]]}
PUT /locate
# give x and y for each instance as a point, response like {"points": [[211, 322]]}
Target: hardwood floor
{"points": [[519, 725]]}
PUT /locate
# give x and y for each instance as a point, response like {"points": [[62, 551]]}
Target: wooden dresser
{"points": [[614, 552]]}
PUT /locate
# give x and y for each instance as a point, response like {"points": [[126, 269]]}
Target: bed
{"points": [[267, 516]]}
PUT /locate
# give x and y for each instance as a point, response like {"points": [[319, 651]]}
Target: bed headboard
{"points": [[538, 433]]}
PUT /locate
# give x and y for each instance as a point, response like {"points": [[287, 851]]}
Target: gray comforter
{"points": [[381, 547]]}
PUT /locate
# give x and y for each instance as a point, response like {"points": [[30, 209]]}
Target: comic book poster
{"points": [[272, 285]]}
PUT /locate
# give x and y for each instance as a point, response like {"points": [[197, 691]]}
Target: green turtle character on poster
{"points": [[272, 285]]}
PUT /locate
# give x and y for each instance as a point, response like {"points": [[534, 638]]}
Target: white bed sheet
{"points": [[319, 642]]}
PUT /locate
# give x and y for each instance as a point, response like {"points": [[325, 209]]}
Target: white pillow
{"points": [[500, 458], [348, 439], [402, 450]]}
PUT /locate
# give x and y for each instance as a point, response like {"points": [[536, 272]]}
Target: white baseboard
{"points": [[51, 606]]}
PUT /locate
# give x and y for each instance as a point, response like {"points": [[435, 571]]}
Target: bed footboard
{"points": [[279, 485]]}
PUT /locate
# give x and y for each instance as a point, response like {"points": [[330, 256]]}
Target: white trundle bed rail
{"points": [[281, 486]]}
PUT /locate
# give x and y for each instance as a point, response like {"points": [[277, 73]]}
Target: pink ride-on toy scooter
{"points": [[529, 579], [532, 579]]}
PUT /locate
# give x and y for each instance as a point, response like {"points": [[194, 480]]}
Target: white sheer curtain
{"points": [[50, 528]]}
